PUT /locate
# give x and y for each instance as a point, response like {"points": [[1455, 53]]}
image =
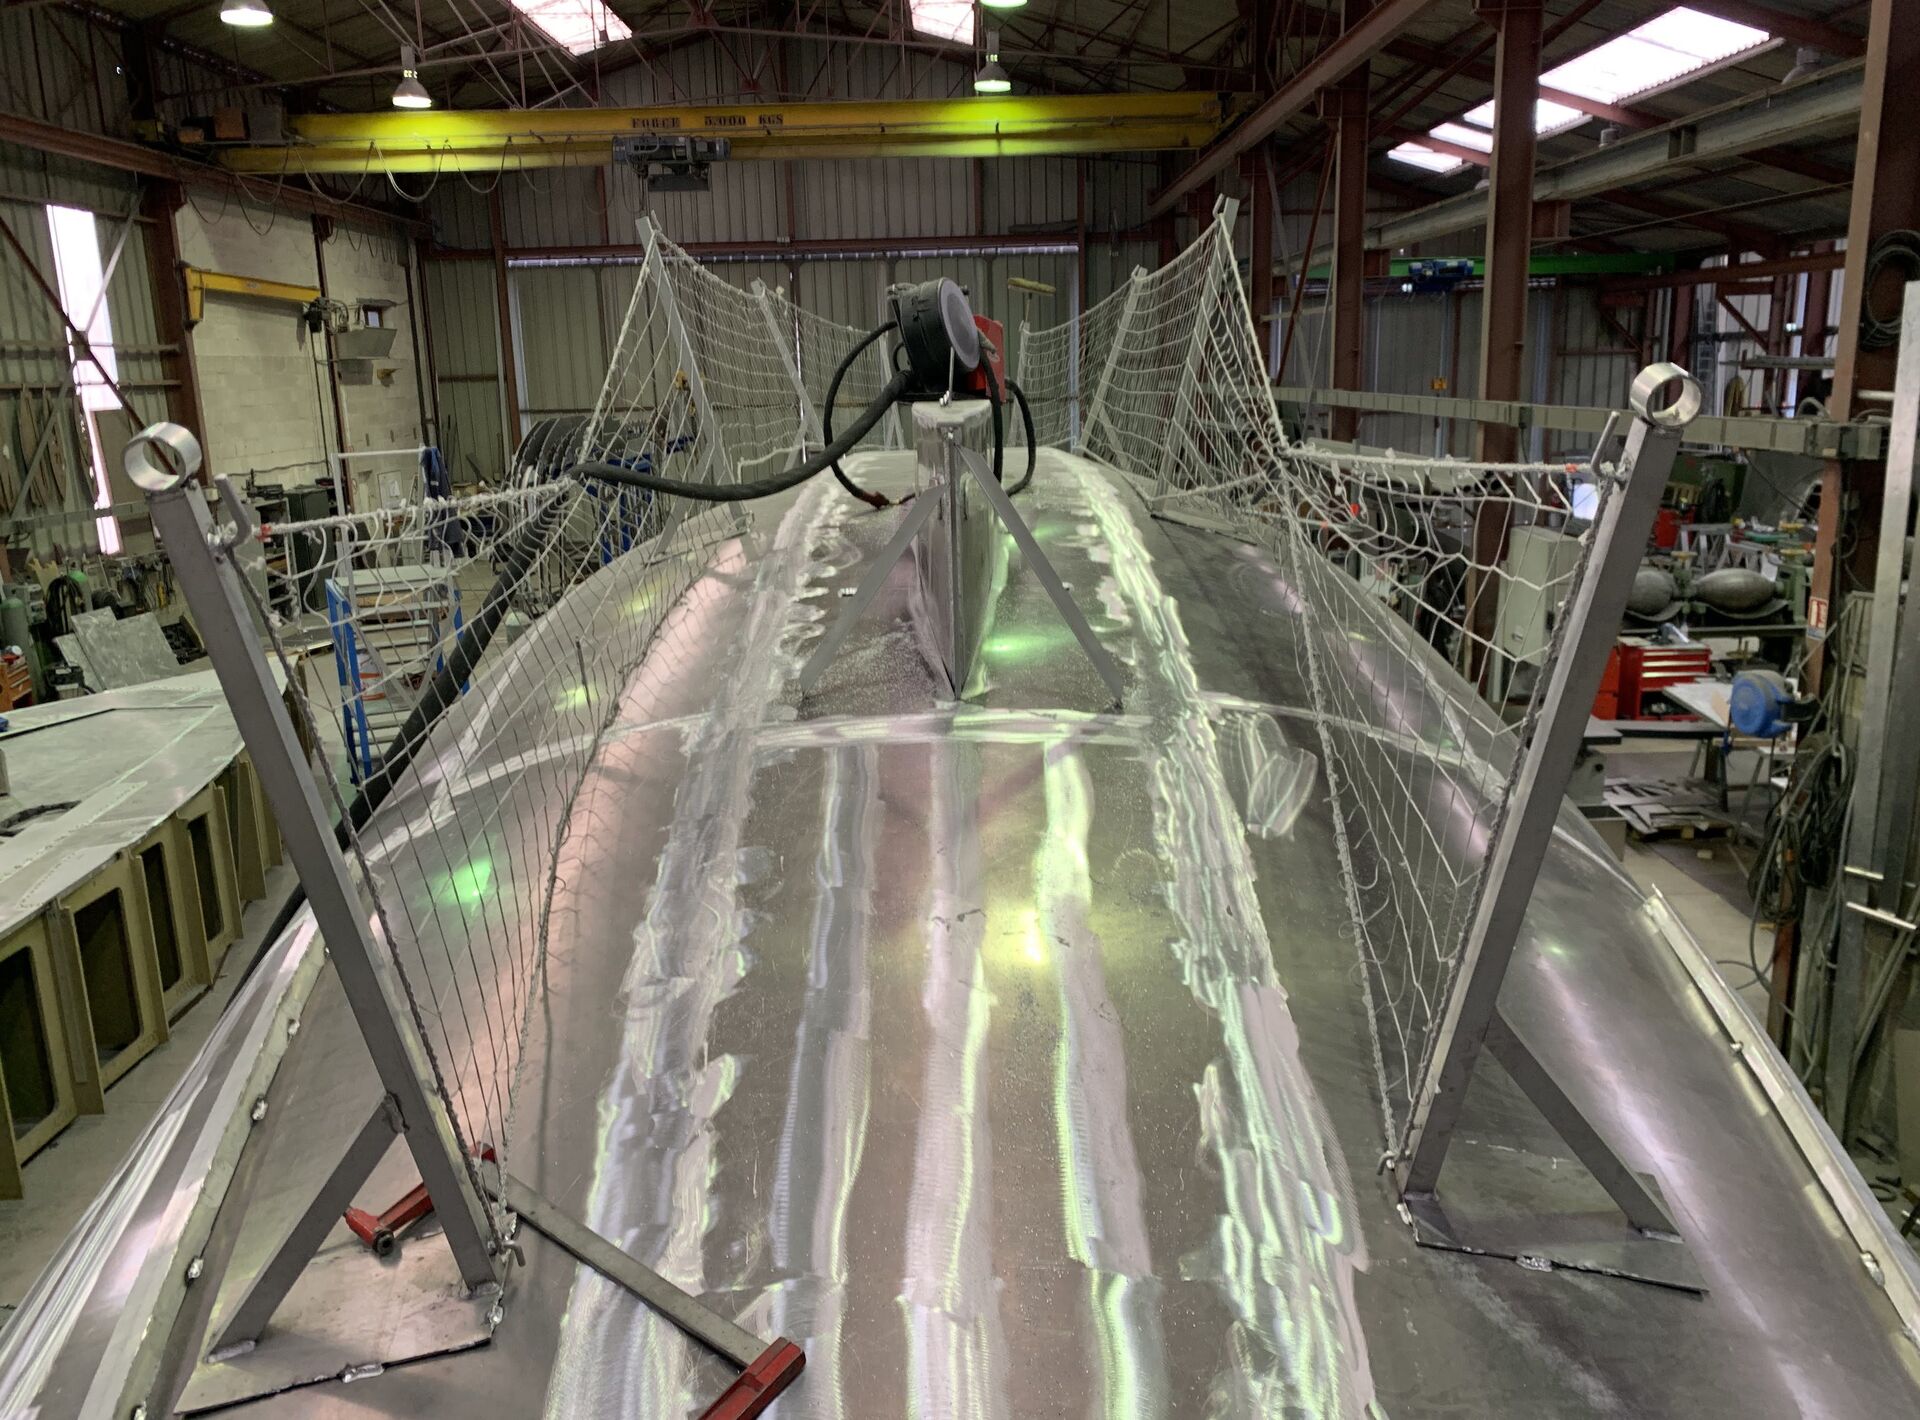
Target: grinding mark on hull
{"points": [[829, 1088], [653, 1163], [1271, 780], [979, 681], [1106, 1226], [1285, 1253], [950, 1296]]}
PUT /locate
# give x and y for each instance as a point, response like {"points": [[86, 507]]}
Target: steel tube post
{"points": [[1526, 828], [1261, 239], [711, 435], [310, 1229], [1098, 407], [1503, 307], [1347, 102], [209, 580], [783, 342], [1221, 230], [1885, 199]]}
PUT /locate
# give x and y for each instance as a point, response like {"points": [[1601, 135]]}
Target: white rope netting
{"points": [[1428, 593]]}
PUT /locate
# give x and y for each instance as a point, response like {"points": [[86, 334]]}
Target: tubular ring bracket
{"points": [[1647, 386], [161, 456]]}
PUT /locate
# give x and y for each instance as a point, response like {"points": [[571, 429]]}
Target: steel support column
{"points": [[160, 203], [1503, 319], [1346, 106], [1886, 198], [1503, 307], [503, 297], [1260, 194]]}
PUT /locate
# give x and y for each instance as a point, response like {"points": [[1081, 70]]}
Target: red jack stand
{"points": [[766, 1369], [382, 1233]]}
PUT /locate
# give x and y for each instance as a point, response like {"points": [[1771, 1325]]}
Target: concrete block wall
{"points": [[254, 359], [363, 266], [263, 380]]}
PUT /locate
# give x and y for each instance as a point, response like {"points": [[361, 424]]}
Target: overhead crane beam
{"points": [[491, 139]]}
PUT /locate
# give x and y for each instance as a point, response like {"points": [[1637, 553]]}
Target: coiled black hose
{"points": [[879, 500]]}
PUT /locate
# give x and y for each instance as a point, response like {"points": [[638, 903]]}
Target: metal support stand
{"points": [[810, 427], [766, 1368], [162, 460], [1225, 211], [1098, 407], [945, 496], [918, 513], [720, 463], [1516, 1226]]}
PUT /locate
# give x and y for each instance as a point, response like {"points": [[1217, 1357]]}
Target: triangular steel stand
{"points": [[469, 1272], [944, 500], [1612, 1220]]}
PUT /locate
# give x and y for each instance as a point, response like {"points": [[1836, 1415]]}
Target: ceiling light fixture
{"points": [[245, 14], [992, 79], [1003, 4], [410, 92]]}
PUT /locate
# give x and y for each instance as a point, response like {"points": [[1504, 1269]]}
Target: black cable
{"points": [[1033, 444], [876, 500], [999, 417], [763, 487], [474, 638], [438, 693]]}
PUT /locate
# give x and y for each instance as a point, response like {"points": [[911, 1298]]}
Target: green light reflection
{"points": [[465, 886]]}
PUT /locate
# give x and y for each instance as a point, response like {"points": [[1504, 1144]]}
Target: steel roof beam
{"points": [[1339, 59], [1819, 103], [1798, 28]]}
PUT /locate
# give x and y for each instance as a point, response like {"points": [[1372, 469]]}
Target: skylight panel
{"points": [[949, 19], [1475, 138], [1676, 44], [577, 26], [1416, 156], [1548, 117]]}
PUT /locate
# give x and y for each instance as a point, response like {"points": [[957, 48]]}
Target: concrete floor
{"points": [[63, 1178]]}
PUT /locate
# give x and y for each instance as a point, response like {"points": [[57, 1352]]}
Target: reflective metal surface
{"points": [[1011, 1056]]}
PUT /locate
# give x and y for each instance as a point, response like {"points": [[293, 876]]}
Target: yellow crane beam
{"points": [[200, 281], [492, 139]]}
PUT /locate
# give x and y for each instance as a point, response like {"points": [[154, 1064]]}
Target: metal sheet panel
{"points": [[554, 208], [850, 292], [1109, 264], [466, 329], [459, 216], [1406, 350], [466, 355], [562, 352], [1018, 196]]}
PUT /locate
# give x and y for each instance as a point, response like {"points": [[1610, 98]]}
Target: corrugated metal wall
{"points": [[36, 396], [563, 319], [466, 359]]}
